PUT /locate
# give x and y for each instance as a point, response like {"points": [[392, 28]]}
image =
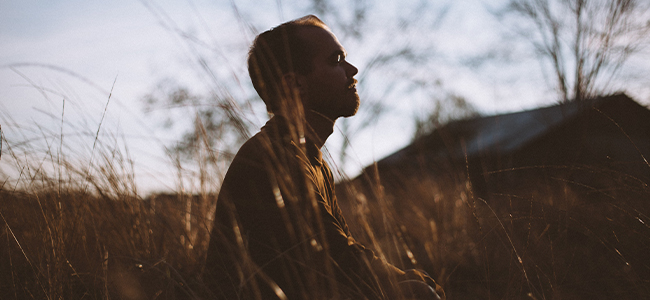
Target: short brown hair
{"points": [[277, 52]]}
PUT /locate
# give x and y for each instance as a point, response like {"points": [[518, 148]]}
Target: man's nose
{"points": [[351, 70]]}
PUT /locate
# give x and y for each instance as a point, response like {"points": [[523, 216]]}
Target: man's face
{"points": [[330, 86]]}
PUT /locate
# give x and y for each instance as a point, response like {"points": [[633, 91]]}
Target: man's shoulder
{"points": [[252, 152], [260, 149], [271, 150]]}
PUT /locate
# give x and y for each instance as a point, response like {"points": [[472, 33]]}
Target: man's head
{"points": [[303, 58]]}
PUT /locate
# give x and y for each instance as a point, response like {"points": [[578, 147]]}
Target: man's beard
{"points": [[353, 108]]}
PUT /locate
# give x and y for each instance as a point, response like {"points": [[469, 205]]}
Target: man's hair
{"points": [[277, 52]]}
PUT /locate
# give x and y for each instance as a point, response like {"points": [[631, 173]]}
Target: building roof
{"points": [[503, 133]]}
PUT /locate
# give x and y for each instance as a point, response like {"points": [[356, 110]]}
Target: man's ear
{"points": [[296, 83]]}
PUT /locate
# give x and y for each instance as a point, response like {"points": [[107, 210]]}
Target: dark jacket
{"points": [[278, 228]]}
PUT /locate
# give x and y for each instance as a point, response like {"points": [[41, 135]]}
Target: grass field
{"points": [[73, 234]]}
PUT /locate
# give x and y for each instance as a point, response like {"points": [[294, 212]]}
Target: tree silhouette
{"points": [[586, 43]]}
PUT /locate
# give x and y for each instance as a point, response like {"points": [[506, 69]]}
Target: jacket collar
{"points": [[280, 129]]}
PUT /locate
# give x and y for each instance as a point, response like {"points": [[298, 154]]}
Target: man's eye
{"points": [[339, 58]]}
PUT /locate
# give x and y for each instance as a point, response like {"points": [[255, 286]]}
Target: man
{"points": [[279, 232]]}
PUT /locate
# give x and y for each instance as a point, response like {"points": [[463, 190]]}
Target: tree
{"points": [[585, 42], [450, 107]]}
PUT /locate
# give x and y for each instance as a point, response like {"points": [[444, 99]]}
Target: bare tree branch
{"points": [[591, 40]]}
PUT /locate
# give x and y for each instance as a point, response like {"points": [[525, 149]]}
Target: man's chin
{"points": [[351, 112], [343, 110]]}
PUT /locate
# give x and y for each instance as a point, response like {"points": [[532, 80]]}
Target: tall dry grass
{"points": [[79, 232], [548, 232]]}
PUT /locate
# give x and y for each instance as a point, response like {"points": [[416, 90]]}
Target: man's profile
{"points": [[278, 231]]}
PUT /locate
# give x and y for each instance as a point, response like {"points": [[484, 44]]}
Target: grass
{"points": [[80, 232], [540, 236], [92, 236]]}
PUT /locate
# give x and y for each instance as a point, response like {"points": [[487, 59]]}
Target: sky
{"points": [[72, 70]]}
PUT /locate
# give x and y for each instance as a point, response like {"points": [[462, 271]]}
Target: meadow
{"points": [[70, 231], [77, 226]]}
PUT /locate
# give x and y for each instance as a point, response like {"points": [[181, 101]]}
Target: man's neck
{"points": [[319, 127]]}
